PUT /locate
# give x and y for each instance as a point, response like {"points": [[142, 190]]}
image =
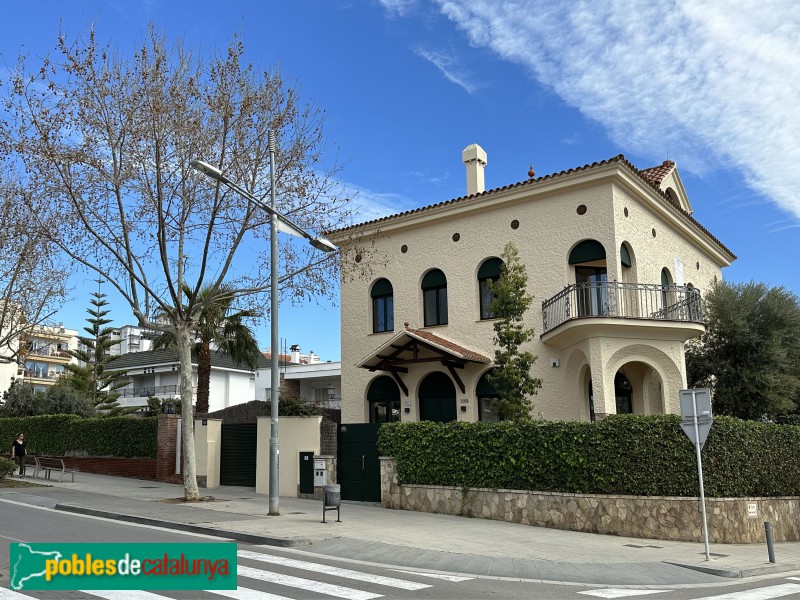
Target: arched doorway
{"points": [[437, 398], [623, 394], [383, 398], [591, 277]]}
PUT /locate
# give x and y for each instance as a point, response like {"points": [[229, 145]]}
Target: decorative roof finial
{"points": [[531, 172], [406, 324]]}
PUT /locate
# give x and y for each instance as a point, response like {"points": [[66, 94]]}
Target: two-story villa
{"points": [[615, 260]]}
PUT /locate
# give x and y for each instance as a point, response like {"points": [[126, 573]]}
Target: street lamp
{"points": [[278, 222]]}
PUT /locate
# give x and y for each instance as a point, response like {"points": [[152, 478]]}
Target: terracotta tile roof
{"points": [[645, 176], [450, 347], [655, 175], [436, 343]]}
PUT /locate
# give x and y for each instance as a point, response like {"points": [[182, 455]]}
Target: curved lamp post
{"points": [[278, 222]]}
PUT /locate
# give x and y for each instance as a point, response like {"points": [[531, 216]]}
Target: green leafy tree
{"points": [[93, 378], [219, 329], [102, 141], [21, 400], [63, 399], [750, 353], [511, 376]]}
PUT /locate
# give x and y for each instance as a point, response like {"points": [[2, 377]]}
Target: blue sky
{"points": [[407, 84]]}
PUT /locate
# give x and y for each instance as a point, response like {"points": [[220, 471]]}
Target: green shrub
{"points": [[57, 435], [622, 454], [7, 467]]}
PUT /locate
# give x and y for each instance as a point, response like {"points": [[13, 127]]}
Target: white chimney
{"points": [[474, 158]]}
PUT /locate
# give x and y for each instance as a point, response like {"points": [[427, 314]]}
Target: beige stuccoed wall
{"points": [[549, 227], [730, 520], [207, 448], [295, 435]]}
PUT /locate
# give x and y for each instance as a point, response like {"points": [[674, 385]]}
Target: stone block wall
{"points": [[730, 520]]}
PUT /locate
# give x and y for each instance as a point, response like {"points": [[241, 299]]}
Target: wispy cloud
{"points": [[713, 81], [398, 8], [449, 66], [370, 204]]}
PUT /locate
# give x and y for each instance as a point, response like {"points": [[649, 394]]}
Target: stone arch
{"points": [[664, 371]]}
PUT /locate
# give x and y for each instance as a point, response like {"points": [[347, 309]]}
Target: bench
{"points": [[48, 465]]}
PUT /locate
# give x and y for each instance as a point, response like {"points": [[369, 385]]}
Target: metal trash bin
{"points": [[331, 499]]}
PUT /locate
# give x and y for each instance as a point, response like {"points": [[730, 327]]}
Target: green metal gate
{"points": [[359, 471], [238, 455]]}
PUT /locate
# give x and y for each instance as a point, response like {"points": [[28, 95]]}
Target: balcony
{"points": [[146, 392], [636, 310]]}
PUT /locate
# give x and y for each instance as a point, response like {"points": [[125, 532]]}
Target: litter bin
{"points": [[331, 499]]}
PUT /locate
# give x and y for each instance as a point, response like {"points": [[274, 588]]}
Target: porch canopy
{"points": [[414, 346]]}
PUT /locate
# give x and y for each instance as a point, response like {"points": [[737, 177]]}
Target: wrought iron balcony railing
{"points": [[622, 300]]}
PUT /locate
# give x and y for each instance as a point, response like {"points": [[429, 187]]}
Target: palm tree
{"points": [[219, 329]]}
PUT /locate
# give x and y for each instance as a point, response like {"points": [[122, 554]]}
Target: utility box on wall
{"points": [[320, 472]]}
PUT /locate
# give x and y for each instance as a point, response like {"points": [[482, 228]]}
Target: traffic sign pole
{"points": [[700, 473]]}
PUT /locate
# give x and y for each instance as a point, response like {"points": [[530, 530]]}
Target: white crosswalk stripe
{"points": [[620, 592], [241, 593], [306, 584], [765, 593], [336, 571], [453, 578]]}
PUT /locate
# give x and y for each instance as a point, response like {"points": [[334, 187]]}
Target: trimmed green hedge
{"points": [[56, 435], [622, 454]]}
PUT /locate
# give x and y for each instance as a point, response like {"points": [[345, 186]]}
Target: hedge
{"points": [[622, 455], [57, 435]]}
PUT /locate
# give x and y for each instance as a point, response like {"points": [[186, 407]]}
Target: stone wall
{"points": [[730, 520]]}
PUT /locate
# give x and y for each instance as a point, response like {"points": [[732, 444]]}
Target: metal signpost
{"points": [[696, 421]]}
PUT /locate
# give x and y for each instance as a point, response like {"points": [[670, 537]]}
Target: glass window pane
{"points": [[442, 306], [486, 299], [430, 307], [389, 313]]}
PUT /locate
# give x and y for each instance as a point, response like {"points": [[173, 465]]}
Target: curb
{"points": [[742, 573], [239, 536]]}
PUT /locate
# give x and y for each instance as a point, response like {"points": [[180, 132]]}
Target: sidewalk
{"points": [[440, 543]]}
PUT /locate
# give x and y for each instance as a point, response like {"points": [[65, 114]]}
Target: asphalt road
{"points": [[269, 573]]}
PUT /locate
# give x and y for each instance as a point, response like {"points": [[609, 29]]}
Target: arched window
{"points": [[383, 398], [625, 256], [382, 306], [486, 395], [434, 298], [489, 271]]}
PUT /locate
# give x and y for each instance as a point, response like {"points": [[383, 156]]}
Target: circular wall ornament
{"points": [[626, 211], [654, 232], [403, 248], [456, 237], [581, 209], [358, 258], [514, 224]]}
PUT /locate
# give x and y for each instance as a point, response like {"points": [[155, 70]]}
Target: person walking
{"points": [[18, 453]]}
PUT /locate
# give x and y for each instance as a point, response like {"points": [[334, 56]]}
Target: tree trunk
{"points": [[184, 345], [203, 377]]}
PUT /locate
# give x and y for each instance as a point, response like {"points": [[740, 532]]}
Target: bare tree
{"points": [[33, 272], [105, 141]]}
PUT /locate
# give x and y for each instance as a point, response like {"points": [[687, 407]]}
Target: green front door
{"points": [[437, 399], [358, 470]]}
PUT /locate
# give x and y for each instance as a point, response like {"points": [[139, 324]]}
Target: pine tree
{"points": [[511, 376], [92, 376]]}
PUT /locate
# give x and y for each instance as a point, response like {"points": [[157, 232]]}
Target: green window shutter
{"points": [[625, 256], [664, 277], [434, 279], [490, 269], [587, 251], [382, 287]]}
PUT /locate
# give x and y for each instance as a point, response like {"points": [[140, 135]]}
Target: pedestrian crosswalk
{"points": [[767, 592], [255, 569]]}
